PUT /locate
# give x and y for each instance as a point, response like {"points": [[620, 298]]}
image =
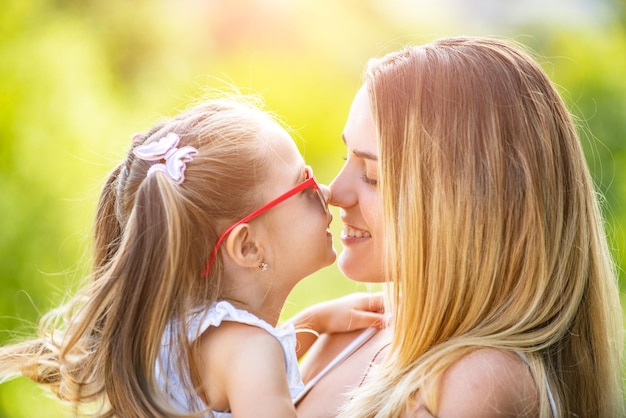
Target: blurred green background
{"points": [[77, 78]]}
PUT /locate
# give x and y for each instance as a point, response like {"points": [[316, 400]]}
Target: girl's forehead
{"points": [[282, 152]]}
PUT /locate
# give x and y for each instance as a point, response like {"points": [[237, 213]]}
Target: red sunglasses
{"points": [[308, 182]]}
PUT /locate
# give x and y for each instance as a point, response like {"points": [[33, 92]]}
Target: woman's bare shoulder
{"points": [[489, 383]]}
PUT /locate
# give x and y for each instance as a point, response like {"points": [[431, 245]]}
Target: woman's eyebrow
{"points": [[361, 154], [365, 155]]}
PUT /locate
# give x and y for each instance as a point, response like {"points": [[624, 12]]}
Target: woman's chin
{"points": [[359, 269]]}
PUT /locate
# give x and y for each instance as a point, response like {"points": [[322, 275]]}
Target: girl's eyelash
{"points": [[367, 180]]}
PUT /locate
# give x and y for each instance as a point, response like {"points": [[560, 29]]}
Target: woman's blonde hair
{"points": [[493, 233], [152, 240]]}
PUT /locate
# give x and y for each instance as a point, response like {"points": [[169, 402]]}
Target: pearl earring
{"points": [[263, 266]]}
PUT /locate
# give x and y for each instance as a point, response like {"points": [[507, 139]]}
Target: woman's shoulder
{"points": [[495, 382]]}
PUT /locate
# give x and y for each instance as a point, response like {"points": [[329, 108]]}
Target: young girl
{"points": [[200, 234]]}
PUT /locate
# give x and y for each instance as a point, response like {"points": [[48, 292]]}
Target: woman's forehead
{"points": [[360, 131]]}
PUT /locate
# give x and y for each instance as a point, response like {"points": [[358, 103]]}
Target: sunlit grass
{"points": [[21, 398]]}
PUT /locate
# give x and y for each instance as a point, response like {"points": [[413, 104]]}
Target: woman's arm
{"points": [[345, 314]]}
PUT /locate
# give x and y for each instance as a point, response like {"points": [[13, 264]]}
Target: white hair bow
{"points": [[165, 149]]}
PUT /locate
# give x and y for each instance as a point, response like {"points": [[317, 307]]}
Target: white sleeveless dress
{"points": [[170, 380]]}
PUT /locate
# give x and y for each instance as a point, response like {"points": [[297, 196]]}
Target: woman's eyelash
{"points": [[364, 178], [367, 180]]}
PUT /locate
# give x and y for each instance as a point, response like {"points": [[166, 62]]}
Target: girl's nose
{"points": [[325, 192]]}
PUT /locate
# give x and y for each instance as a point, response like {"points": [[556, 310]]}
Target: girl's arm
{"points": [[243, 371], [348, 313]]}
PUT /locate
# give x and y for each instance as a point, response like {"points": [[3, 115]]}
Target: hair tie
{"points": [[165, 149]]}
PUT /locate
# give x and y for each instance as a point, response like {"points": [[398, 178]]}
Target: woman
{"points": [[466, 186]]}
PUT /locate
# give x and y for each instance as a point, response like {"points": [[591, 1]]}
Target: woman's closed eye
{"points": [[369, 180], [364, 177]]}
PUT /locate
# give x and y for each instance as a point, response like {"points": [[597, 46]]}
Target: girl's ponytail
{"points": [[107, 229], [156, 272]]}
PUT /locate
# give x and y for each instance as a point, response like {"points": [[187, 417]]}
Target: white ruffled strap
{"points": [[176, 159]]}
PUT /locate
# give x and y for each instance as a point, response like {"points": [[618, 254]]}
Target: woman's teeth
{"points": [[354, 233]]}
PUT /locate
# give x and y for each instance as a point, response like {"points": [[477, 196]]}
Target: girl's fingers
{"points": [[365, 319], [372, 302]]}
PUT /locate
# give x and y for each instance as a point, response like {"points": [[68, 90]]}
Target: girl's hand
{"points": [[348, 313]]}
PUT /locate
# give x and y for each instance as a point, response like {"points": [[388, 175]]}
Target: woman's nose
{"points": [[341, 193]]}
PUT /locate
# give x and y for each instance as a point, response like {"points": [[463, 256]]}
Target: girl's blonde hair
{"points": [[152, 240], [493, 237]]}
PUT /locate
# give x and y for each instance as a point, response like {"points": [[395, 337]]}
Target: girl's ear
{"points": [[241, 248]]}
